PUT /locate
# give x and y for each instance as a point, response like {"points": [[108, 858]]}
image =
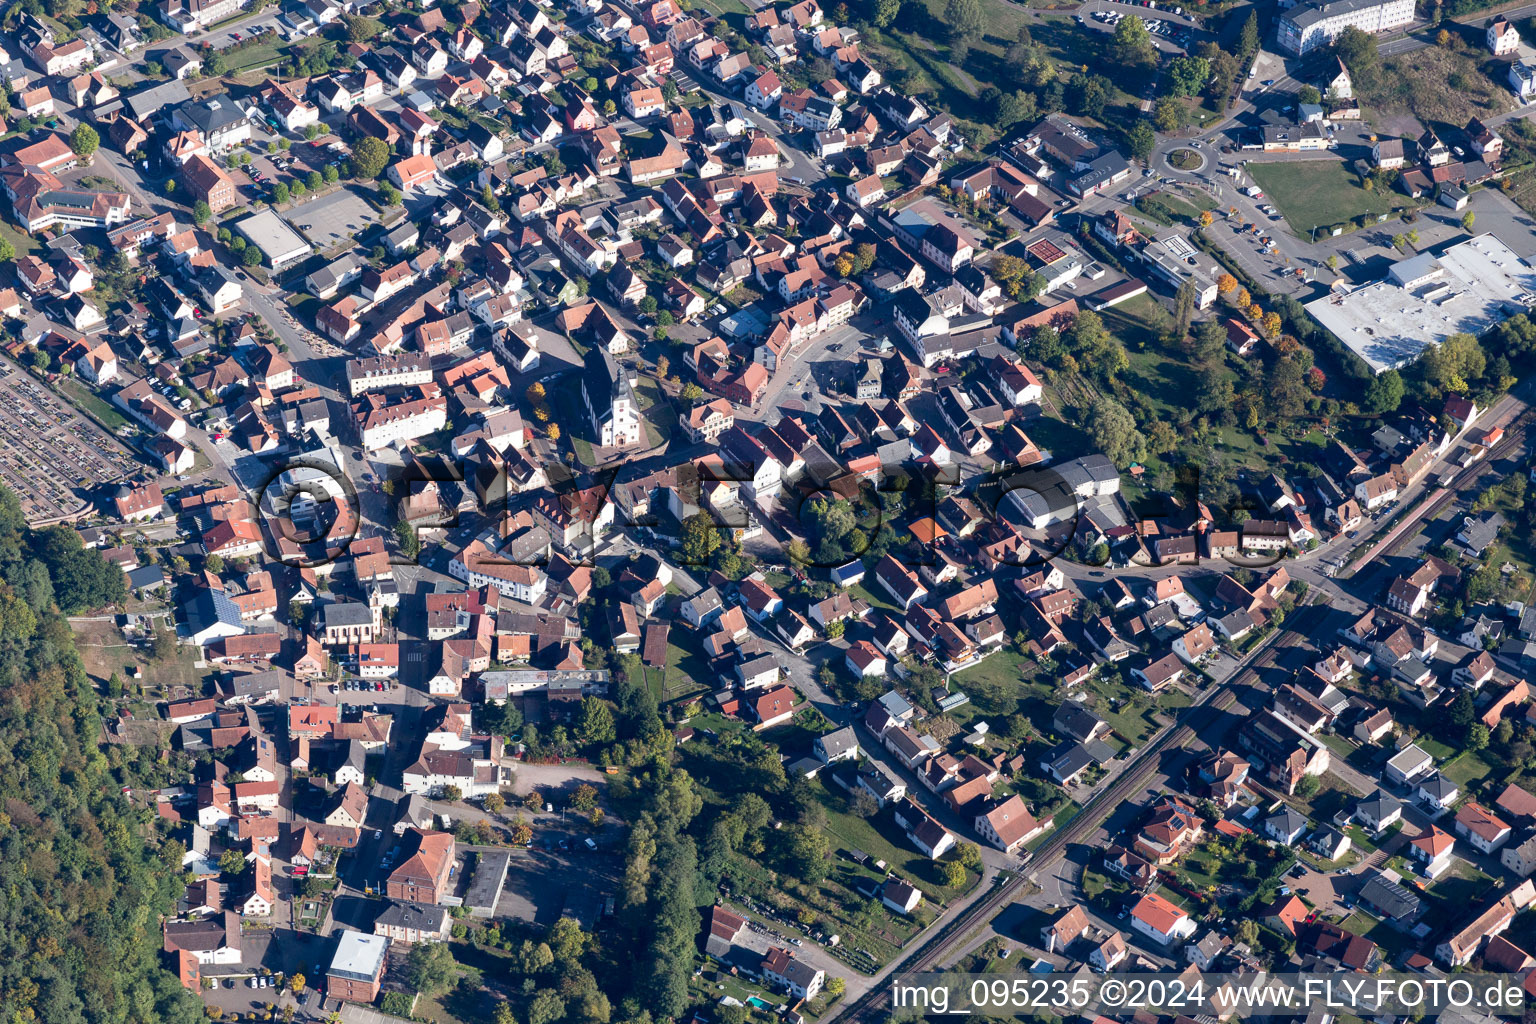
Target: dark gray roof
{"points": [[1391, 899], [152, 100], [602, 379], [244, 684], [1303, 15], [211, 115], [1287, 821], [1438, 786], [145, 576], [1067, 760], [412, 915], [208, 607], [346, 613], [1075, 720], [1380, 806], [839, 741]]}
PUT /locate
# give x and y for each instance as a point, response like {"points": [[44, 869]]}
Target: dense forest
{"points": [[81, 891]]}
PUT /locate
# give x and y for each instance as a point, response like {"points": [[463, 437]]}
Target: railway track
{"points": [[1514, 437], [1195, 717]]}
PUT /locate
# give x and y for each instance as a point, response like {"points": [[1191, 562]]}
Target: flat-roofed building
{"points": [[1470, 287], [1308, 26], [279, 243]]}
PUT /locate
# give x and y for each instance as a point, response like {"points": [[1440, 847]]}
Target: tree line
{"points": [[83, 885]]}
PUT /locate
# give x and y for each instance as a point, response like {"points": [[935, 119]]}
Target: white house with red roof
{"points": [[1161, 920], [764, 90], [865, 659], [1009, 825], [1461, 411], [774, 707], [1431, 850]]}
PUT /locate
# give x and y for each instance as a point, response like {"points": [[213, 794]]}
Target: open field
{"points": [[1438, 84], [104, 652], [83, 397], [1316, 193], [882, 840]]}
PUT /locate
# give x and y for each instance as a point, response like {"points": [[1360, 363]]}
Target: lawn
{"points": [[1131, 713], [93, 404], [1384, 935], [1138, 323], [1359, 840], [794, 738], [104, 653], [1185, 159], [1005, 668], [1331, 797], [657, 412], [871, 934], [1522, 931], [252, 57], [726, 7], [712, 985], [1167, 208], [687, 671], [881, 838], [1204, 868], [1318, 193], [1053, 434], [1434, 748], [1338, 745], [304, 306], [23, 243], [1460, 887], [1466, 770], [566, 394], [876, 598], [1007, 683], [1165, 382]]}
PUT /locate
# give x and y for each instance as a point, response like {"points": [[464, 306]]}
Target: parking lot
{"points": [[545, 884], [1172, 30], [332, 219]]}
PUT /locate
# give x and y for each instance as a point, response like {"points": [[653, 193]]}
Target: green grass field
{"points": [[93, 404], [1384, 935], [1460, 887], [687, 670], [1315, 193], [23, 243], [882, 840], [1467, 770]]}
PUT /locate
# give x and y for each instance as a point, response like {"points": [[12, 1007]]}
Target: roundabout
{"points": [[1186, 160]]}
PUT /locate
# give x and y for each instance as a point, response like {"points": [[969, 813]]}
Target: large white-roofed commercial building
{"points": [[1469, 288]]}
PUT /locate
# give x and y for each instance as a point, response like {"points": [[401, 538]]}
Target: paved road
{"points": [[1423, 35], [1149, 769], [941, 947]]}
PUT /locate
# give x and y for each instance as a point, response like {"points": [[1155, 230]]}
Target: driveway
{"points": [[1324, 892]]}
